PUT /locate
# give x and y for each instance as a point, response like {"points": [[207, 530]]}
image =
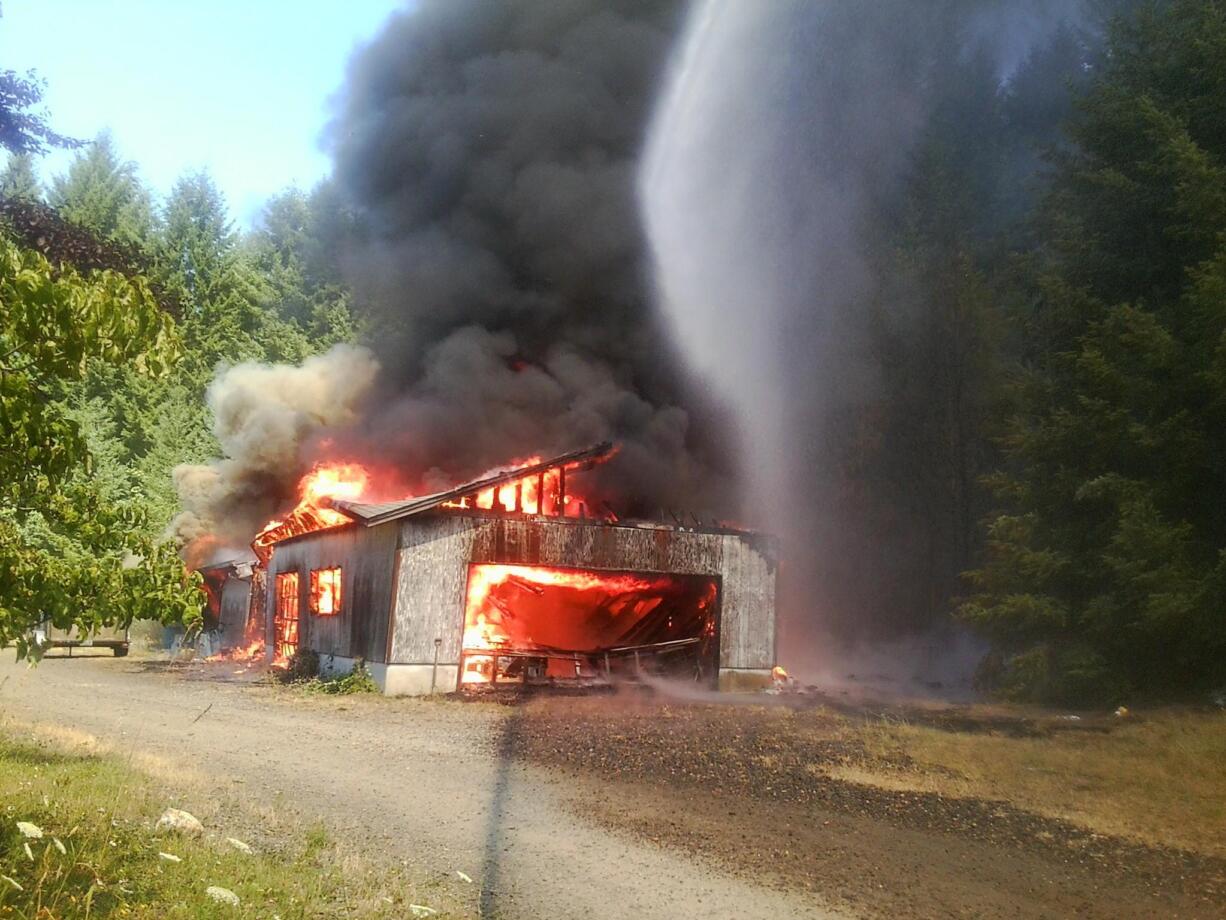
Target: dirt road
{"points": [[565, 810], [429, 783]]}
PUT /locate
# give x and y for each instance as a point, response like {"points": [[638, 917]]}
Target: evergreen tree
{"points": [[19, 179], [198, 240], [294, 248], [1106, 567], [201, 261], [103, 193]]}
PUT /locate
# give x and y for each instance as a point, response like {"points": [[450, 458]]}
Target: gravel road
{"points": [[618, 808], [430, 783]]}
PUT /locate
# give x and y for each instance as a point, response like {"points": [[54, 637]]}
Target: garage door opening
{"points": [[539, 625]]}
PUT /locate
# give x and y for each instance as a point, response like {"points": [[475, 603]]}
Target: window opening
{"points": [[326, 592]]}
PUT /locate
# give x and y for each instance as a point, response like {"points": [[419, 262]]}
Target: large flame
{"points": [[327, 481], [341, 480], [546, 492], [485, 615], [521, 608]]}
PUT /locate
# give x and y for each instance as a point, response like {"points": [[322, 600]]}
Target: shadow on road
{"points": [[495, 838]]}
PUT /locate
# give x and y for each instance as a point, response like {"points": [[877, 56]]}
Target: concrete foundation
{"points": [[335, 665], [414, 679], [396, 679], [744, 680]]}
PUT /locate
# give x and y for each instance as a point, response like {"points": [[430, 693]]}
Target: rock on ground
{"points": [[179, 821]]}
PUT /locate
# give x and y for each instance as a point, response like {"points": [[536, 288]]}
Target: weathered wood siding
{"points": [[367, 556], [430, 586], [436, 551]]}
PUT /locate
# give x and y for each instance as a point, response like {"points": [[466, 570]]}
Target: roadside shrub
{"points": [[356, 681], [303, 665]]}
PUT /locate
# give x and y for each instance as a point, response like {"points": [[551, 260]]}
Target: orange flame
{"points": [[324, 483], [535, 494], [517, 607], [342, 480], [483, 619], [326, 592], [248, 653], [546, 492]]}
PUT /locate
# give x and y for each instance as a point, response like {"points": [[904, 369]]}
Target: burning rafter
{"points": [[329, 495], [469, 495]]}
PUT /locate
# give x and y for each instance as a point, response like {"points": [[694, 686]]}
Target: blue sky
{"points": [[240, 88]]}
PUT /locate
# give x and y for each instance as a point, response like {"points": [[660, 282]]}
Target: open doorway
{"points": [[537, 624]]}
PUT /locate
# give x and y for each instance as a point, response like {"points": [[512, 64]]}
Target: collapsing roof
{"points": [[371, 514]]}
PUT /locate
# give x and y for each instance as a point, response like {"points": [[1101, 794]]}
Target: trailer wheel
{"points": [[121, 651]]}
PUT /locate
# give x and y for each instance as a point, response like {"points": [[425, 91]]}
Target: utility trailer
{"points": [[49, 636]]}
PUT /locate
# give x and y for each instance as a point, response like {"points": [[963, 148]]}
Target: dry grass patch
{"points": [[1159, 779], [78, 838]]}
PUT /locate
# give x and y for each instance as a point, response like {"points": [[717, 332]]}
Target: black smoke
{"points": [[490, 150]]}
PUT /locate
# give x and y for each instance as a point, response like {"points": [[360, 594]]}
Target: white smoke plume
{"points": [[267, 418]]}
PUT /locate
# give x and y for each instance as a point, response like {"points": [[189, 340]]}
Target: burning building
{"points": [[513, 579]]}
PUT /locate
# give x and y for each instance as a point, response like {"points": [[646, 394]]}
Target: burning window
{"points": [[285, 622], [527, 623], [326, 592]]}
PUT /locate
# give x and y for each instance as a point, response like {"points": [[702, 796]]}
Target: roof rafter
{"points": [[372, 514]]}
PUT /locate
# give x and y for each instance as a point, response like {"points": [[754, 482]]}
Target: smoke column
{"points": [[489, 149], [264, 417]]}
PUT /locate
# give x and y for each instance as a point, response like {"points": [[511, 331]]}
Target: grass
{"points": [[1158, 778], [100, 855]]}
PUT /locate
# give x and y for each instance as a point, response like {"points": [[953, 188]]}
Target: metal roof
{"points": [[371, 514]]}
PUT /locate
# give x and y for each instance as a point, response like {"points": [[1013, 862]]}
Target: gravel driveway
{"points": [[595, 808], [430, 783]]}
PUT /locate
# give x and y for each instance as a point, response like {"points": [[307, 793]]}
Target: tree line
{"points": [[1044, 460], [117, 311]]}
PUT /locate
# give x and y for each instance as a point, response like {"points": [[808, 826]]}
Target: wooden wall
{"points": [[367, 556], [431, 582], [435, 553]]}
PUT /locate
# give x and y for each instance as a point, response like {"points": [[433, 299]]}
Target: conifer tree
{"points": [[102, 192], [1106, 568], [19, 179]]}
